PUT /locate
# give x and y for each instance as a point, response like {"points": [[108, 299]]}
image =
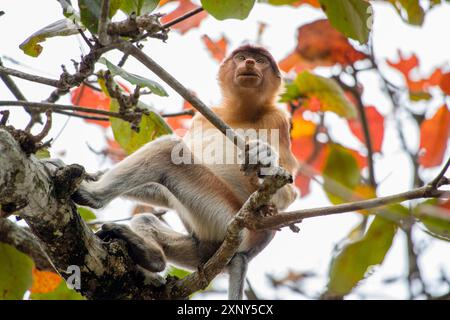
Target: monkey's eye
{"points": [[261, 60], [240, 57]]}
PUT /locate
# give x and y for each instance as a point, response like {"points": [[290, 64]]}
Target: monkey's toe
{"points": [[149, 256]]}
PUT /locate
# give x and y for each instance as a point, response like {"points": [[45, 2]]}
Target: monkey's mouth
{"points": [[249, 74]]}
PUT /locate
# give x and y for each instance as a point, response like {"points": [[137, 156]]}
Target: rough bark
{"points": [[107, 271]]}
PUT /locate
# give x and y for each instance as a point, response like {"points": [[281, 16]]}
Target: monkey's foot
{"points": [[267, 210], [148, 256]]}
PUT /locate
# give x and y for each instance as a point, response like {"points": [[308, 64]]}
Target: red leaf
{"points": [[445, 83], [184, 7], [376, 126], [319, 44], [303, 148], [434, 134], [180, 125], [218, 49], [86, 97]]}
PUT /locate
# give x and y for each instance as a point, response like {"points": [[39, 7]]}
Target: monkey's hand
{"points": [[258, 157], [148, 255]]}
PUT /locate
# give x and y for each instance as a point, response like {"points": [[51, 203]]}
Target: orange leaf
{"points": [[86, 97], [218, 49], [313, 3], [294, 61], [302, 127], [434, 134], [416, 86], [184, 7], [445, 83], [44, 281], [163, 2], [376, 127], [405, 65], [363, 192], [319, 44]]}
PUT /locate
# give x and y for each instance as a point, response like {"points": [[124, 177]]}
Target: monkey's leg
{"points": [[208, 201], [180, 249]]}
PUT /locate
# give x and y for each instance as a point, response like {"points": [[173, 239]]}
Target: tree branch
{"points": [[24, 241], [286, 218], [103, 23], [199, 280], [107, 271]]}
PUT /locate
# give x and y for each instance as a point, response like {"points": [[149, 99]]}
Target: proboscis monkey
{"points": [[178, 173]]}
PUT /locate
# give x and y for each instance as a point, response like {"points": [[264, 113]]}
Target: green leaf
{"points": [[42, 154], [63, 27], [435, 218], [229, 9], [329, 93], [62, 292], [154, 87], [90, 12], [86, 214], [419, 96], [15, 273], [140, 7], [351, 17], [177, 272], [410, 11], [341, 175], [150, 127], [69, 11], [291, 93], [354, 260]]}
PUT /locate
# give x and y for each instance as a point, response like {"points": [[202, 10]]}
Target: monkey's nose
{"points": [[249, 62]]}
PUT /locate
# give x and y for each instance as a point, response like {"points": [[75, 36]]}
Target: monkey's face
{"points": [[250, 69], [248, 75]]}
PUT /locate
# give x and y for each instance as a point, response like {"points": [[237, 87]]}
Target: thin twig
{"points": [[183, 91], [47, 127], [189, 112], [29, 77], [57, 107], [366, 131], [182, 18], [284, 219], [80, 115]]}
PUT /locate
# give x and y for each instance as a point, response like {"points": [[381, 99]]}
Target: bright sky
{"points": [[185, 57]]}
